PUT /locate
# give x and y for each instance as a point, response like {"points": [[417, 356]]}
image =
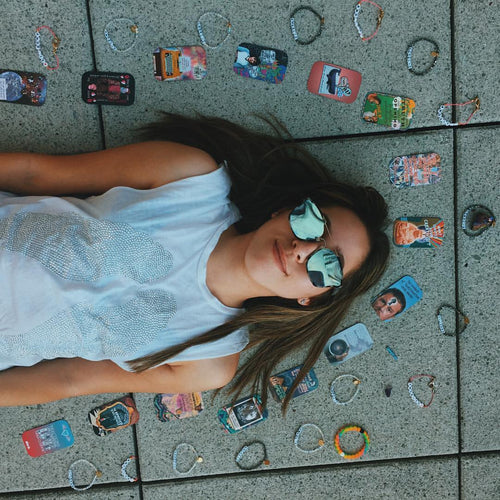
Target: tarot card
{"points": [[348, 343], [113, 416], [415, 170], [177, 406], [334, 82], [397, 298], [21, 87], [392, 111], [281, 382], [108, 88], [188, 62], [260, 63], [244, 413], [418, 232], [48, 438]]}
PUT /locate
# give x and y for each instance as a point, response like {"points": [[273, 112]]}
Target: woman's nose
{"points": [[302, 249]]}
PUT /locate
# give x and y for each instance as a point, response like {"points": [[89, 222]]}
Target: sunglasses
{"points": [[323, 266]]}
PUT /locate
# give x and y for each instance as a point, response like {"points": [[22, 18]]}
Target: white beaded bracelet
{"points": [[97, 473], [298, 434], [185, 447], [355, 380]]}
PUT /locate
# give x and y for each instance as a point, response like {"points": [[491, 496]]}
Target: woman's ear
{"points": [[304, 301]]}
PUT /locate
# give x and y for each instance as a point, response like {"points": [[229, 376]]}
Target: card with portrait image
{"points": [[391, 111], [260, 63], [397, 298], [281, 382], [418, 232], [334, 82], [242, 414]]}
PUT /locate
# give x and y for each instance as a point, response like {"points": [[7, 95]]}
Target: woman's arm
{"points": [[64, 378], [142, 166]]}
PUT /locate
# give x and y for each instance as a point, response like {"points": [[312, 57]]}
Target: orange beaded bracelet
{"points": [[351, 428]]}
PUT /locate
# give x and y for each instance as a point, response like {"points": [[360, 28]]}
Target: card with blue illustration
{"points": [[415, 170], [48, 438], [334, 82], [397, 298], [260, 63], [22, 87], [348, 343], [281, 382]]}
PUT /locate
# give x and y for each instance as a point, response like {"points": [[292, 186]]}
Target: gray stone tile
{"points": [[131, 492], [64, 124], [20, 472], [476, 56], [398, 428], [437, 478], [382, 62], [479, 291], [480, 479]]}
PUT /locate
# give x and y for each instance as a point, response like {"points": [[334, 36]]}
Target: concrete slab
{"points": [[64, 124], [131, 492], [480, 479], [381, 61], [20, 472], [479, 290], [476, 56], [398, 428], [437, 478]]}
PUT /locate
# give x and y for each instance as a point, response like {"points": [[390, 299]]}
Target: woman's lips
{"points": [[279, 258]]}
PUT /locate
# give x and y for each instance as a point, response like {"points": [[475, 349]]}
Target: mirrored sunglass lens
{"points": [[324, 269], [306, 221]]}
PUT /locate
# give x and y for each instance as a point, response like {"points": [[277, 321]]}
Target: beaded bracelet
{"points": [[97, 473], [409, 53], [355, 380], [482, 219], [447, 123], [294, 29], [55, 45], [124, 469], [321, 440], [380, 16], [430, 384], [361, 451], [131, 25], [188, 447], [202, 35], [439, 317], [241, 453]]}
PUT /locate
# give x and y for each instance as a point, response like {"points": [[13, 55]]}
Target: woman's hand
{"points": [[144, 165]]}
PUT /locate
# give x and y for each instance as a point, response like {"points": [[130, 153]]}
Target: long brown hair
{"points": [[268, 173]]}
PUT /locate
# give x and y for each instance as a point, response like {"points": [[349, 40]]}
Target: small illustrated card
{"points": [[347, 344], [389, 110], [187, 62], [113, 416], [48, 438], [418, 232], [334, 82], [108, 88], [22, 87], [260, 63], [415, 170], [177, 406], [244, 413], [281, 382], [397, 298]]}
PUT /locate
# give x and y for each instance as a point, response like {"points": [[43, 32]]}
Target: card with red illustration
{"points": [[108, 88], [418, 232], [187, 62], [389, 110], [260, 63], [23, 87], [415, 170], [334, 82], [48, 438]]}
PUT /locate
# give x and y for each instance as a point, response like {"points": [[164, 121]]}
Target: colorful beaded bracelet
{"points": [[55, 45], [294, 29], [124, 469], [361, 451], [447, 123], [241, 453], [430, 384], [380, 16]]}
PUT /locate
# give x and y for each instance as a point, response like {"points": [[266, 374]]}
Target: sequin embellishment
{"points": [[80, 249]]}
